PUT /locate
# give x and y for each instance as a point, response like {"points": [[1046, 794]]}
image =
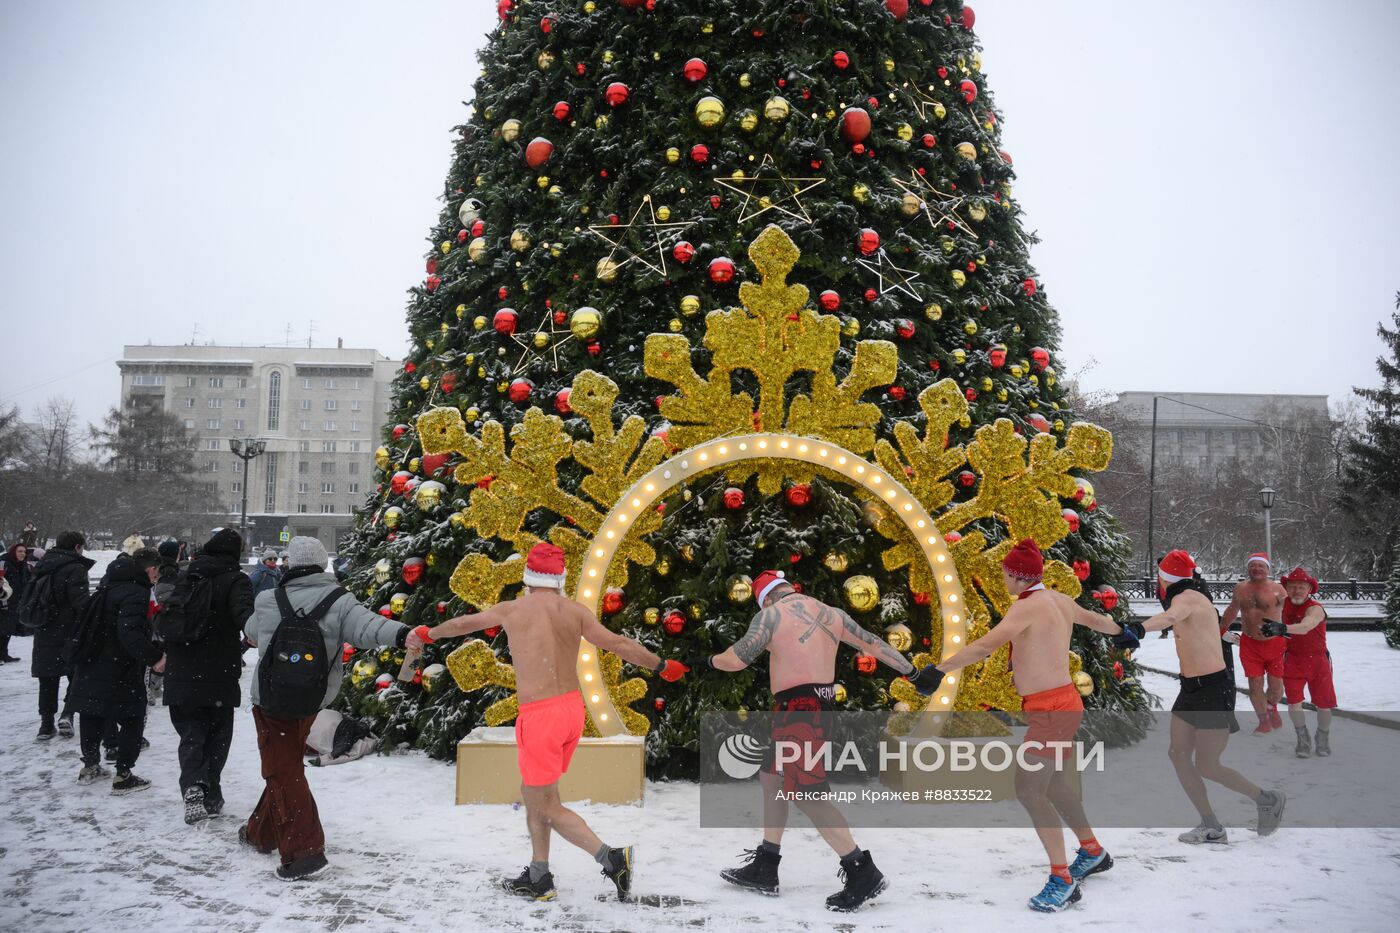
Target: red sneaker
{"points": [[1264, 727], [1275, 719]]}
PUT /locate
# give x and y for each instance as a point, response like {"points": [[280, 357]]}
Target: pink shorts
{"points": [[546, 734], [1261, 657]]}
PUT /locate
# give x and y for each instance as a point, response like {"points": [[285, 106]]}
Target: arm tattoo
{"points": [[760, 633], [872, 644]]}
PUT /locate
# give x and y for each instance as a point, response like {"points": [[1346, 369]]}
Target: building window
{"points": [[242, 382], [301, 508], [327, 508], [189, 403], [304, 446], [327, 466], [212, 444], [302, 489], [213, 466], [237, 487], [354, 489], [332, 404], [270, 501], [239, 424], [189, 382], [303, 467], [147, 379], [306, 383], [388, 408], [327, 425], [356, 425], [305, 425], [216, 382], [240, 403], [216, 403], [355, 403], [238, 466], [353, 467], [350, 509], [328, 383], [328, 489], [189, 424], [357, 385], [212, 424], [354, 447], [328, 447], [304, 404], [274, 401]]}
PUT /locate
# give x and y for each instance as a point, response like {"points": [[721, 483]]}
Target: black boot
{"points": [[46, 729], [863, 881], [618, 870], [542, 890], [758, 873]]}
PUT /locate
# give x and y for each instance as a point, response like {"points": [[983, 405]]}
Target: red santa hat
{"points": [[545, 566], [1259, 556], [1176, 566], [1024, 561], [767, 581], [1299, 575]]}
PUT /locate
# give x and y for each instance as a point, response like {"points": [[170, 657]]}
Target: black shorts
{"points": [[801, 714], [1208, 702]]}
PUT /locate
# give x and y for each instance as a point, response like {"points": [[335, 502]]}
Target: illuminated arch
{"points": [[722, 454]]}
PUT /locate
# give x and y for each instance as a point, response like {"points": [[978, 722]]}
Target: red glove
{"points": [[423, 633], [672, 671]]}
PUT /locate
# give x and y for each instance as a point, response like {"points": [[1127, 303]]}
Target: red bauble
{"points": [[841, 60], [968, 17], [952, 537], [799, 494], [897, 393], [431, 283], [386, 612], [829, 300], [442, 608], [595, 349], [448, 382], [504, 8], [613, 601], [617, 94], [970, 394], [794, 558], [538, 152], [1029, 286], [1081, 569], [1118, 673], [347, 651], [434, 462], [383, 682], [867, 241], [547, 24], [858, 148], [721, 270], [855, 124], [1038, 422], [900, 8], [1040, 358], [967, 479], [462, 236], [399, 482], [997, 356], [734, 498], [921, 598], [1107, 597], [520, 390], [674, 622], [695, 70], [866, 663], [699, 153], [413, 570], [505, 321], [715, 201], [431, 265], [1072, 518], [683, 251], [659, 704], [904, 328], [492, 632], [401, 429], [968, 87], [562, 111], [561, 402], [871, 294], [929, 140], [478, 227]]}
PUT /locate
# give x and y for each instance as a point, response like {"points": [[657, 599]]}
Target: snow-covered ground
{"points": [[404, 857], [1365, 670]]}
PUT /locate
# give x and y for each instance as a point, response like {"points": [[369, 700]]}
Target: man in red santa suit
{"points": [[1306, 661]]}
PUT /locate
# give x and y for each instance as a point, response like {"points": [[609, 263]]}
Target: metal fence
{"points": [[1327, 590]]}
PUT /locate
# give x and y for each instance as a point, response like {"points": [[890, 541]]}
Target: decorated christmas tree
{"points": [[721, 287]]}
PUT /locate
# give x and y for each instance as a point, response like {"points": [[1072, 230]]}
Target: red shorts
{"points": [[1051, 716], [1313, 671], [546, 734], [1261, 657], [802, 719]]}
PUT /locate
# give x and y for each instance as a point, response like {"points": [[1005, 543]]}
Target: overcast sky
{"points": [[1215, 184]]}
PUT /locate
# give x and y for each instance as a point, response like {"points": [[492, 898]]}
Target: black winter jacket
{"points": [[113, 685], [69, 591], [206, 672]]}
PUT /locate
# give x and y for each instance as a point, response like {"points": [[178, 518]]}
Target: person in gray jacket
{"points": [[286, 819]]}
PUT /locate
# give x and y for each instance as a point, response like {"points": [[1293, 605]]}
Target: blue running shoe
{"points": [[1086, 864], [1055, 896]]}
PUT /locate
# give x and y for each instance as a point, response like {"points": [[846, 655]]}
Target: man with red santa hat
{"points": [[1306, 662], [1256, 599], [543, 628]]}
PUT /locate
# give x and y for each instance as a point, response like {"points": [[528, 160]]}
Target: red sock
{"points": [[1062, 872], [1091, 845]]}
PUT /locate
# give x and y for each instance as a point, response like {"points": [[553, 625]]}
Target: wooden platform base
{"points": [[606, 770]]}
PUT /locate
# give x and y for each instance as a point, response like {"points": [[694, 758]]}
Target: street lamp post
{"points": [[1266, 499], [246, 449]]}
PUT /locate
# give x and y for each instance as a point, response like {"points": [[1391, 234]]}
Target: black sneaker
{"points": [[91, 774], [618, 870], [758, 873], [194, 805], [46, 731], [213, 802], [109, 754], [127, 783], [862, 882], [303, 869], [65, 727], [145, 743], [542, 890], [9, 658]]}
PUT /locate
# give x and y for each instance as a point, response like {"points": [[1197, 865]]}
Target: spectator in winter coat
{"points": [[266, 576], [67, 569], [29, 537], [15, 566], [201, 677], [169, 551], [286, 818], [111, 687]]}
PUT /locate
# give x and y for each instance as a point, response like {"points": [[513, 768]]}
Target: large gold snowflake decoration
{"points": [[774, 337]]}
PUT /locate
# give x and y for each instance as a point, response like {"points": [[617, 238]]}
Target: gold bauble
{"points": [[606, 270], [911, 204], [959, 278], [987, 384], [386, 656], [850, 327], [709, 112], [777, 109], [900, 637], [977, 212], [748, 121], [933, 312], [663, 213], [696, 611], [425, 383], [967, 150], [445, 246], [1083, 683], [904, 131], [510, 130], [708, 28], [663, 566], [601, 121], [590, 7], [476, 249], [861, 192], [673, 155], [947, 244], [363, 671], [839, 694], [545, 60], [836, 562], [540, 340], [688, 553], [429, 494], [651, 615], [432, 559], [675, 325], [745, 80], [970, 328], [479, 322], [740, 589], [472, 414], [397, 602], [444, 328], [461, 311], [586, 322], [976, 61], [383, 569], [392, 516], [432, 677], [381, 458], [519, 240], [889, 64], [457, 519], [542, 182], [862, 592], [690, 305], [939, 111], [959, 356]]}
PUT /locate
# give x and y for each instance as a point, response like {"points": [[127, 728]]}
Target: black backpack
{"points": [[184, 616], [295, 671], [38, 610], [90, 632]]}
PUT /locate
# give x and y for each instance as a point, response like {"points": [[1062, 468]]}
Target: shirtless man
{"points": [[1203, 714], [1039, 626], [543, 628], [1306, 663], [802, 635], [1256, 599]]}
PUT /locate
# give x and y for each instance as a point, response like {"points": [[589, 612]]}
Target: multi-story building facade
{"points": [[319, 410]]}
